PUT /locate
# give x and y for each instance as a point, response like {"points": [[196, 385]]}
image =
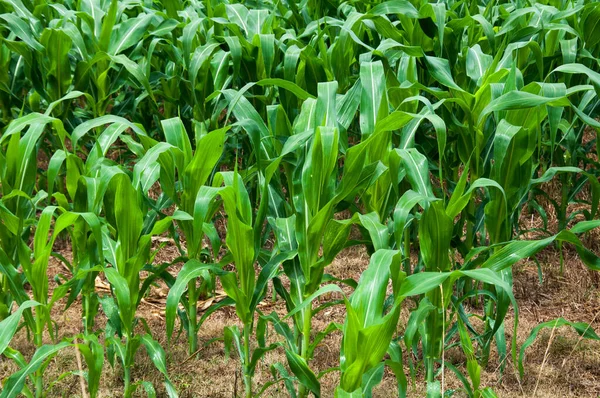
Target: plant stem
{"points": [[470, 212], [562, 216], [247, 359], [126, 369], [307, 324], [127, 378], [434, 332], [489, 314], [86, 314], [39, 331], [193, 316], [407, 251]]}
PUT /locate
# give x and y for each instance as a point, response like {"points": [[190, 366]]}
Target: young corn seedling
{"points": [[243, 288], [435, 232], [34, 265], [368, 330], [85, 184], [182, 179], [128, 248], [374, 108], [316, 195]]}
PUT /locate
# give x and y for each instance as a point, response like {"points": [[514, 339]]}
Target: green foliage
{"points": [[262, 138]]}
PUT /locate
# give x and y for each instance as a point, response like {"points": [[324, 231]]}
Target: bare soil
{"points": [[558, 364]]}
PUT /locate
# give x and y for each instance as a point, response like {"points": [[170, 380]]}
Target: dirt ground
{"points": [[558, 364]]}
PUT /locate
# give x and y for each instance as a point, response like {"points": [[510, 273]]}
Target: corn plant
{"points": [[129, 251], [34, 266], [242, 286], [257, 136], [316, 195], [193, 170]]}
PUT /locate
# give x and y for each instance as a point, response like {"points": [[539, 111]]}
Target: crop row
{"points": [[265, 138]]}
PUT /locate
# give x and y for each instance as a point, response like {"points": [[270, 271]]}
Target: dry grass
{"points": [[572, 367], [559, 362]]}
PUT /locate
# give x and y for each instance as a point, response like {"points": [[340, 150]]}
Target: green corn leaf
{"points": [[93, 353], [340, 393], [200, 167], [395, 7], [122, 292], [129, 33], [435, 234], [520, 100], [300, 369], [582, 328], [57, 44], [287, 85], [9, 325], [417, 170], [157, 355], [22, 30], [268, 272], [440, 71], [373, 105], [477, 63], [190, 271], [16, 381]]}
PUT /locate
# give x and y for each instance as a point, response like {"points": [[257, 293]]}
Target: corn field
{"points": [[263, 138]]}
